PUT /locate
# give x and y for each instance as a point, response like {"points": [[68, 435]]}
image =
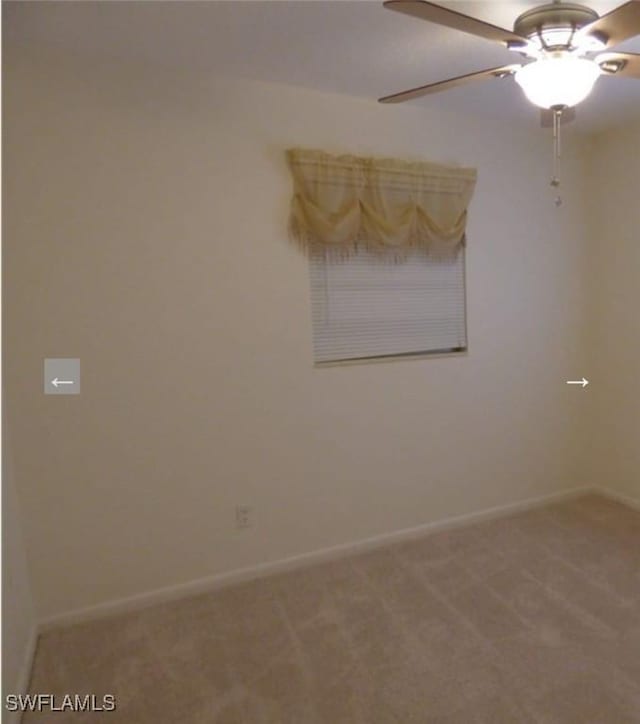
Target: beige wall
{"points": [[146, 234], [18, 613], [614, 311]]}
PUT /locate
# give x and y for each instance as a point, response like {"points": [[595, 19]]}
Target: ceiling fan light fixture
{"points": [[558, 81]]}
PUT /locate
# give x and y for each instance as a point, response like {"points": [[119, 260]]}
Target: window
{"points": [[385, 238], [364, 306]]}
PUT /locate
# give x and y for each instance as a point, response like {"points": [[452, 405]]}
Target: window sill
{"points": [[392, 358]]}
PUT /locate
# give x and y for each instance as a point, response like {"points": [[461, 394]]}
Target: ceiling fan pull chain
{"points": [[555, 180]]}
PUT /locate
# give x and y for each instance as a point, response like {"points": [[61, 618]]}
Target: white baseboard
{"points": [[24, 676], [211, 583], [620, 497]]}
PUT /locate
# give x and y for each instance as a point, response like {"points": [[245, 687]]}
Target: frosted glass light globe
{"points": [[558, 81]]}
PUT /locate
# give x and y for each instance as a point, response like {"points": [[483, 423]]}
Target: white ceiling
{"points": [[358, 48]]}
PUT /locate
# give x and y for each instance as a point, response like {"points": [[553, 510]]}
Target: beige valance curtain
{"points": [[342, 202]]}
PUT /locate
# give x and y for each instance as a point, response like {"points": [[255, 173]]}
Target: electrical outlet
{"points": [[243, 516]]}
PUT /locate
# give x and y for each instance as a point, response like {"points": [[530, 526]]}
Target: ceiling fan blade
{"points": [[452, 19], [546, 117], [618, 25], [423, 90], [625, 65]]}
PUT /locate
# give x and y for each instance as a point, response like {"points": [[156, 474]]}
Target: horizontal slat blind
{"points": [[364, 306]]}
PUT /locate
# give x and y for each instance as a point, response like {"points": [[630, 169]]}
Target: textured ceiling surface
{"points": [[357, 48]]}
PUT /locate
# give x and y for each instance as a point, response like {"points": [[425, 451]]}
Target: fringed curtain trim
{"points": [[342, 202]]}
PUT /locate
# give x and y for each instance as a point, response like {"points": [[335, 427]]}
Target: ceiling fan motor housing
{"points": [[553, 26]]}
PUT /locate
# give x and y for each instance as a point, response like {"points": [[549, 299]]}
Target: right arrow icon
{"points": [[584, 382]]}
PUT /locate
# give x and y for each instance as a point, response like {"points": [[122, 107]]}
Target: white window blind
{"points": [[365, 306]]}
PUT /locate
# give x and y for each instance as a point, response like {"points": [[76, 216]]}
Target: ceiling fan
{"points": [[562, 44]]}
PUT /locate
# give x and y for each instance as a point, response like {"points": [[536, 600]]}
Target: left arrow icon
{"points": [[61, 376]]}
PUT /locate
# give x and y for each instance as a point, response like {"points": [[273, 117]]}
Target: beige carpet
{"points": [[530, 618]]}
